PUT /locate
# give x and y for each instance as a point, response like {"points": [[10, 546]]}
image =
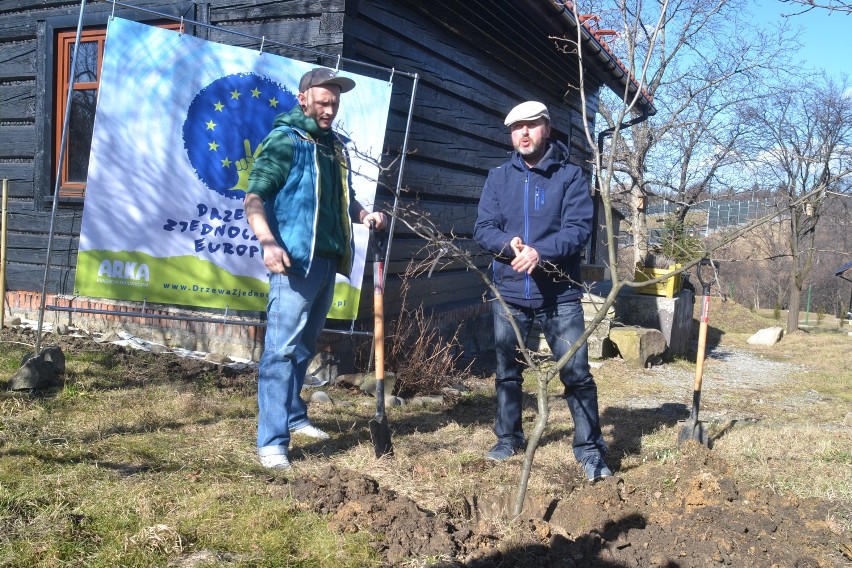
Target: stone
{"points": [[367, 382], [768, 336], [426, 400], [320, 397], [638, 346], [354, 379], [672, 316], [34, 374], [324, 366], [393, 401], [62, 329], [13, 322], [598, 341], [108, 337], [217, 358], [847, 420], [53, 354]]}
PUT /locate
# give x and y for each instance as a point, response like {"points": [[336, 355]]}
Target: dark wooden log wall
{"points": [[457, 133], [26, 105]]}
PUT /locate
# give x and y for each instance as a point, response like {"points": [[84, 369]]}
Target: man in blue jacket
{"points": [[300, 205], [535, 215]]}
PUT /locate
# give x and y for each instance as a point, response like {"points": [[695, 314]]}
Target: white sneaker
{"points": [[311, 431], [275, 461]]}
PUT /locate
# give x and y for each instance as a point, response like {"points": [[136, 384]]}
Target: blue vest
{"points": [[293, 213]]}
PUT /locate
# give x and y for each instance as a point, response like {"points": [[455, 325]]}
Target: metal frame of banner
{"points": [[224, 320], [62, 148]]}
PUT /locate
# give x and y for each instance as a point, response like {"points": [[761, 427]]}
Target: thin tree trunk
{"points": [[640, 227], [795, 302]]}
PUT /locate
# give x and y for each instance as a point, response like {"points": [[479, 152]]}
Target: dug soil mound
{"points": [[688, 512]]}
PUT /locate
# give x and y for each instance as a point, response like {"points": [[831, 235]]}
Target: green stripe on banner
{"points": [[186, 280]]}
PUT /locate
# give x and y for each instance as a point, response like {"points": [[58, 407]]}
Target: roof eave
{"points": [[620, 77]]}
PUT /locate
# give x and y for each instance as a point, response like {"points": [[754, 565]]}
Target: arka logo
{"points": [[124, 270]]}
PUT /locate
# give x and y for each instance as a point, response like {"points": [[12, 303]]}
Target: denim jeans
{"points": [[296, 314], [562, 324]]}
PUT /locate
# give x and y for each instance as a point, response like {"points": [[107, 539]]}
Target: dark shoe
{"points": [[595, 468], [502, 451]]}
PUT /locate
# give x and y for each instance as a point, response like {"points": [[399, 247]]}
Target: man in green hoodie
{"points": [[300, 205]]}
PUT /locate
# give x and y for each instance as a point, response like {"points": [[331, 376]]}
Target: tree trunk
{"points": [[640, 227], [795, 301]]}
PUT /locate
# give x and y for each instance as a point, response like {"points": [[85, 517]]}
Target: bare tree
{"points": [[700, 73], [804, 144], [758, 271], [710, 147], [830, 5]]}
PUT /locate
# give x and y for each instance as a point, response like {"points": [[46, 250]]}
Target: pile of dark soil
{"points": [[685, 513]]}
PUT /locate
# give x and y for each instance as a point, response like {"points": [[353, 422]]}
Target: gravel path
{"points": [[735, 386]]}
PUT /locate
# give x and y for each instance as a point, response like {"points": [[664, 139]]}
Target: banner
{"points": [[178, 121]]}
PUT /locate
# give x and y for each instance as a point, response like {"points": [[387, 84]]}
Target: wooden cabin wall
{"points": [[456, 136], [26, 106], [457, 133]]}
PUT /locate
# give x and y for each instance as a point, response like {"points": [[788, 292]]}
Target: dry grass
{"points": [[121, 467]]}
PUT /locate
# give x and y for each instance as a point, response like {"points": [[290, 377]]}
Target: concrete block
{"points": [[671, 316], [638, 346]]}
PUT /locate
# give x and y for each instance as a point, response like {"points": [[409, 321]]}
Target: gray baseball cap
{"points": [[324, 76]]}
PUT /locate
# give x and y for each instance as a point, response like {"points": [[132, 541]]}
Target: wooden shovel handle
{"points": [[379, 327], [702, 342], [379, 316]]}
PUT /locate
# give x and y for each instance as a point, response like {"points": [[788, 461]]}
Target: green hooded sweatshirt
{"points": [[272, 167]]}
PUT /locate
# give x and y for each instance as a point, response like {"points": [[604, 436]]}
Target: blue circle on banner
{"points": [[225, 124]]}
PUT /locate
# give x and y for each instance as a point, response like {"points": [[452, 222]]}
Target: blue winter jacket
{"points": [[549, 206]]}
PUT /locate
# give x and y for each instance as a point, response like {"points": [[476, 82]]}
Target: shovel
{"points": [[379, 429], [694, 430]]}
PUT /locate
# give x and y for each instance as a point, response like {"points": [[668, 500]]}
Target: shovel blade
{"points": [[693, 431], [381, 436]]}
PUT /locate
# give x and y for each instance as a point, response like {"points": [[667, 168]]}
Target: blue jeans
{"points": [[296, 314], [562, 324]]}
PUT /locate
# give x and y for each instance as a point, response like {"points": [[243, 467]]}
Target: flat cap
{"points": [[529, 110], [324, 76]]}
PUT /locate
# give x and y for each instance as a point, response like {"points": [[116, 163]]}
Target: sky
{"points": [[826, 36]]}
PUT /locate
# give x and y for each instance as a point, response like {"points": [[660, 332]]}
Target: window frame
{"points": [[65, 40], [52, 93]]}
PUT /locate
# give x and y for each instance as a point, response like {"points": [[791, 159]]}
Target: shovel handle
{"points": [[378, 310], [702, 342], [379, 326]]}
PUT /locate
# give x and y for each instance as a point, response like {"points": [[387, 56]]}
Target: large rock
{"points": [[638, 346], [767, 336], [39, 371], [35, 374], [53, 354], [367, 381], [324, 366]]}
